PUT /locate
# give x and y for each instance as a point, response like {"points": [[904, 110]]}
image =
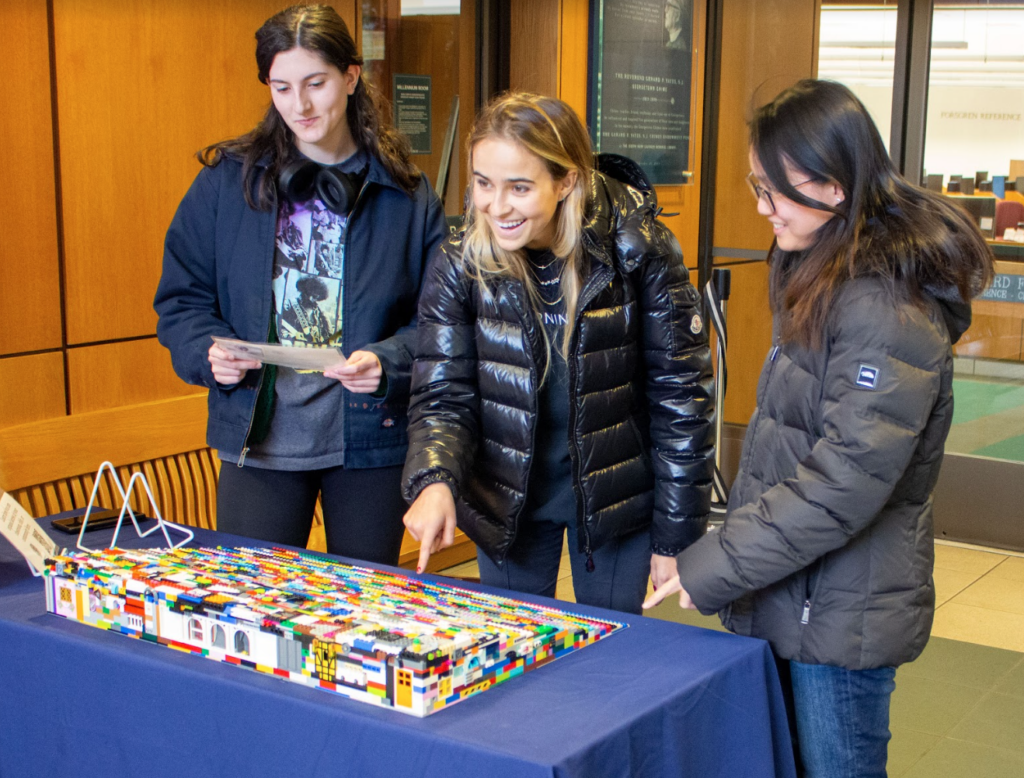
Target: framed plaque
{"points": [[640, 97], [411, 101]]}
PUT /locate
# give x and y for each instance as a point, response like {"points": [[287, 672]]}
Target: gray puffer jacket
{"points": [[827, 549]]}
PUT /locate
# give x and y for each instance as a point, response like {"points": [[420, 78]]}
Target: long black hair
{"points": [[885, 226], [319, 29]]}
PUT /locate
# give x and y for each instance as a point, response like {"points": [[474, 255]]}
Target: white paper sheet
{"points": [[286, 356], [24, 532]]}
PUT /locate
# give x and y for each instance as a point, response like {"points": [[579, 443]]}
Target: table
{"points": [[655, 699]]}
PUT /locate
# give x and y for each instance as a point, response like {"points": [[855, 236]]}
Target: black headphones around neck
{"points": [[303, 178]]}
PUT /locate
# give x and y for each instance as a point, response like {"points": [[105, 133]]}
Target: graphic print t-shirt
{"points": [[307, 427], [308, 271]]}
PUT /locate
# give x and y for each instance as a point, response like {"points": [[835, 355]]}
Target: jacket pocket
{"points": [[645, 449]]}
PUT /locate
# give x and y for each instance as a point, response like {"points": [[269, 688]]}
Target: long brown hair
{"points": [[885, 226], [549, 129], [319, 29]]}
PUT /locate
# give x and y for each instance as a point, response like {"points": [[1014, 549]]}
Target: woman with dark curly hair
{"points": [[312, 230]]}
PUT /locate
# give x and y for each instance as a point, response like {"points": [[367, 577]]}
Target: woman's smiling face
{"points": [[795, 225], [516, 195]]}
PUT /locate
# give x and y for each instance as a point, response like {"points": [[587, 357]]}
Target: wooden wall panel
{"points": [[574, 64], [31, 388], [468, 107], [53, 449], [30, 317], [141, 85], [534, 56], [346, 10], [767, 45], [124, 373], [750, 337], [429, 46]]}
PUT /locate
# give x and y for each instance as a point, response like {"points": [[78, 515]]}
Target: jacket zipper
{"points": [[810, 594], [263, 372], [252, 418], [516, 303], [590, 290], [773, 355]]}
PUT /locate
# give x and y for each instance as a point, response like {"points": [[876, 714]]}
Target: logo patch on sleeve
{"points": [[696, 325], [867, 376]]}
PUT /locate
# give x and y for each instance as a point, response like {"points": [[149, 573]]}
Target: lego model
{"points": [[379, 637]]}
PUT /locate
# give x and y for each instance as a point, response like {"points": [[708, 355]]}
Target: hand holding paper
{"points": [[227, 367], [255, 354], [361, 373]]}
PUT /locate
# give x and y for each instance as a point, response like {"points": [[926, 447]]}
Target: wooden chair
{"points": [[50, 466], [1009, 213]]}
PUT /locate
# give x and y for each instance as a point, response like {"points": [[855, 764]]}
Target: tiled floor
{"points": [[958, 711]]}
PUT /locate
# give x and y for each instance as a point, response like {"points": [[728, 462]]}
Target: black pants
{"points": [[363, 509]]}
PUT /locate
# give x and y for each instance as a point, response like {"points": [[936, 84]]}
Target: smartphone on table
{"points": [[100, 518]]}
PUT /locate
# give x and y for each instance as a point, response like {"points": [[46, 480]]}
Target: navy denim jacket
{"points": [[217, 271]]}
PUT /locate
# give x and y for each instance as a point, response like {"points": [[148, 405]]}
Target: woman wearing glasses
{"points": [[827, 548]]}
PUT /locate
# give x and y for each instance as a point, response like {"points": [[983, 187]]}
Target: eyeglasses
{"points": [[760, 191]]}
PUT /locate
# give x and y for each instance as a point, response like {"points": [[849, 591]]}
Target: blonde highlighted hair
{"points": [[549, 129]]}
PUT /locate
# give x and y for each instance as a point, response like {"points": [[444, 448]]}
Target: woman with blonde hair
{"points": [[562, 379]]}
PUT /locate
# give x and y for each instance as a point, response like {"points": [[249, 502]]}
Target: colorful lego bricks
{"points": [[387, 639]]}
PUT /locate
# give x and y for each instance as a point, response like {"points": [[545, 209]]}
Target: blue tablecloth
{"points": [[656, 699]]}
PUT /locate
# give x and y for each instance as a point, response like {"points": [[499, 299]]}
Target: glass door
{"points": [[857, 47], [974, 153], [421, 55]]}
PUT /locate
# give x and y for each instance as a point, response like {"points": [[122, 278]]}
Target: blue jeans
{"points": [[842, 719], [618, 580]]}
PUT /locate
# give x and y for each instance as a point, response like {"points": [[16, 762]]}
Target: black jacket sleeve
{"points": [[680, 394], [444, 408], [187, 296]]}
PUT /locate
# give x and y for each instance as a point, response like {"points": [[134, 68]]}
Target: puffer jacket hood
{"points": [[641, 400], [621, 224], [956, 312]]}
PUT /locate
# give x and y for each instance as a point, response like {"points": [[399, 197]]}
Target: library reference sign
{"points": [[640, 84], [1006, 288]]}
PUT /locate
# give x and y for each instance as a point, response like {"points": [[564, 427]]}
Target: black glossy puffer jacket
{"points": [[827, 549], [639, 374]]}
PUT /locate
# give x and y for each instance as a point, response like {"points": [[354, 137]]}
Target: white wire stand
{"points": [[125, 494]]}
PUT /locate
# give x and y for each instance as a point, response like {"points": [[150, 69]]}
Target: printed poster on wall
{"points": [[411, 100], [640, 84]]}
